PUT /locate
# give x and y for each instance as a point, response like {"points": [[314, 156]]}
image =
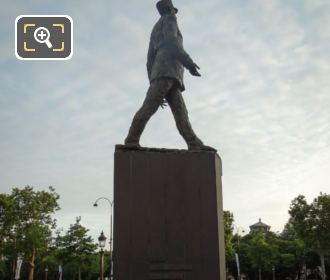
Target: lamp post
{"points": [[1, 212], [305, 271], [102, 240], [111, 234], [46, 273], [273, 270], [237, 253]]}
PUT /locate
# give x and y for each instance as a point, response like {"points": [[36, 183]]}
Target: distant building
{"points": [[259, 226]]}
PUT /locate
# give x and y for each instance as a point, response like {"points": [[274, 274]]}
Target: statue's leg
{"points": [[180, 113], [156, 93]]}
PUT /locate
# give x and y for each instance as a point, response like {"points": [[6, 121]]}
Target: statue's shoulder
{"points": [[158, 25], [169, 18]]}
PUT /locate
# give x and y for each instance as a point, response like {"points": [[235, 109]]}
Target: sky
{"points": [[263, 101]]}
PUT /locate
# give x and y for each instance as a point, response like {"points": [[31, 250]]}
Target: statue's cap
{"points": [[164, 6]]}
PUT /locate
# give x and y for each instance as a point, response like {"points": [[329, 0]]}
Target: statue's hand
{"points": [[193, 70], [163, 103]]}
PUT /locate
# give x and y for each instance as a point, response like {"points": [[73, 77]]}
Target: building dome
{"points": [[259, 226]]}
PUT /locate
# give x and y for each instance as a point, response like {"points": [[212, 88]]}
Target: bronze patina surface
{"points": [[165, 65]]}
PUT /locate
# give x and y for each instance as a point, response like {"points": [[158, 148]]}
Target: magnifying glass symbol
{"points": [[41, 35]]}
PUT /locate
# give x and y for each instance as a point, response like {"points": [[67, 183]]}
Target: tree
{"points": [[259, 251], [27, 224], [76, 250], [312, 224], [228, 229], [293, 251]]}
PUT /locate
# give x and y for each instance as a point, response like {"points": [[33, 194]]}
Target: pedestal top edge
{"points": [[123, 148], [144, 152]]}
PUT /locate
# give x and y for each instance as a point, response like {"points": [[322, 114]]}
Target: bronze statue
{"points": [[165, 65]]}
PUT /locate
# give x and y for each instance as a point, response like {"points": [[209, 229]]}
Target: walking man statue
{"points": [[165, 66]]}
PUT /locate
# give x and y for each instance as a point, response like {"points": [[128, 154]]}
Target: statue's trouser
{"points": [[165, 88]]}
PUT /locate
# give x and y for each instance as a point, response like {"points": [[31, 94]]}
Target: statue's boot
{"points": [[201, 148], [132, 145]]}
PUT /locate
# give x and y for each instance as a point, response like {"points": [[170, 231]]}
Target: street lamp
{"points": [[111, 233], [1, 212], [273, 269], [102, 240], [46, 273], [305, 271], [238, 229], [236, 254]]}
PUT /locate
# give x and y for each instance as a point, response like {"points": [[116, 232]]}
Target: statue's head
{"points": [[165, 7]]}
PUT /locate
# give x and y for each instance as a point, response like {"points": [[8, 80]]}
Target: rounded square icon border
{"points": [[60, 58]]}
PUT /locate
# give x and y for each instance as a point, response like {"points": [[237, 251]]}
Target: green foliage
{"points": [[311, 222], [267, 250], [262, 250], [27, 223], [228, 228], [76, 251]]}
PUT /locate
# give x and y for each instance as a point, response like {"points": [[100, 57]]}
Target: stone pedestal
{"points": [[168, 216]]}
